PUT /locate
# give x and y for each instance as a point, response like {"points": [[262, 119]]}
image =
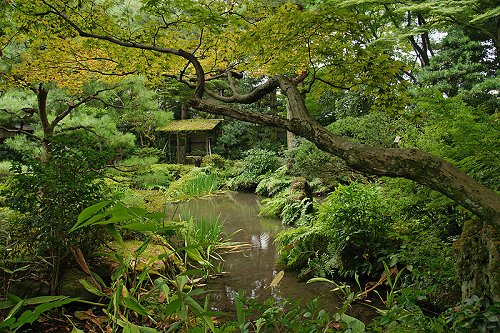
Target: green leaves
{"points": [[132, 218], [29, 316], [91, 288]]}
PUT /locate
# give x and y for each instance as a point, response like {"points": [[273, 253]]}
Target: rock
{"points": [[27, 288], [478, 260], [69, 284], [170, 263]]}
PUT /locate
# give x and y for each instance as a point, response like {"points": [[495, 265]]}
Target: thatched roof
{"points": [[190, 125]]}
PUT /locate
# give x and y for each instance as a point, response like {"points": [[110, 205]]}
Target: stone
{"points": [[478, 260]]}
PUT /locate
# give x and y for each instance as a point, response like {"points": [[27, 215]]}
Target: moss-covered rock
{"points": [[159, 257], [478, 260], [69, 284], [300, 189]]}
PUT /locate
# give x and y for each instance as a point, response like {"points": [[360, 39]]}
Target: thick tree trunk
{"points": [[289, 135]]}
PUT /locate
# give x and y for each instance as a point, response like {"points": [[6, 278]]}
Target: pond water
{"points": [[253, 270]]}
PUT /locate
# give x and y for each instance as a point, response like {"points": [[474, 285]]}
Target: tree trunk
{"points": [[56, 267], [289, 135], [183, 112], [41, 94]]}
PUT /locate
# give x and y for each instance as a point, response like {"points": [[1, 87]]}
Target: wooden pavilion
{"points": [[189, 140]]}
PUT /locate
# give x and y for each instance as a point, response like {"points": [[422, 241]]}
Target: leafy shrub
{"points": [[5, 168], [53, 192], [144, 173], [175, 171], [298, 245], [214, 160], [318, 186], [256, 163], [375, 129], [406, 316], [144, 152], [7, 153], [13, 322], [430, 260], [474, 315], [307, 160], [290, 316], [21, 145], [298, 212], [348, 236], [140, 161], [11, 235], [151, 180], [465, 135], [272, 207], [238, 137], [427, 224]]}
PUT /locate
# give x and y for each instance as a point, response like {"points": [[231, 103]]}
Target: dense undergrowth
{"points": [[156, 264], [141, 270]]}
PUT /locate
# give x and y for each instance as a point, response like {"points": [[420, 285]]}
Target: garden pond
{"points": [[252, 270]]}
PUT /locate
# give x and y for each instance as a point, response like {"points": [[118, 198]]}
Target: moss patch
{"points": [[190, 125]]}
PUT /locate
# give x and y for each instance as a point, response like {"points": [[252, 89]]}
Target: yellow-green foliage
{"points": [[214, 160], [150, 256]]}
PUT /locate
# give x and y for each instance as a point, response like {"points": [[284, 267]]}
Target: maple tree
{"points": [[300, 51]]}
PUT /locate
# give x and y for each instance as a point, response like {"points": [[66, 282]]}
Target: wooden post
{"points": [[178, 151]]}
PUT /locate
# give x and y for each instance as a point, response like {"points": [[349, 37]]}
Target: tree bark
{"points": [[41, 95]]}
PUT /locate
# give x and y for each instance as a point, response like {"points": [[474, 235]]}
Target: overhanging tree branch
{"points": [[200, 87], [416, 165]]}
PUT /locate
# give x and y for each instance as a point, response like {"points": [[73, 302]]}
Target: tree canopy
{"points": [[299, 49]]}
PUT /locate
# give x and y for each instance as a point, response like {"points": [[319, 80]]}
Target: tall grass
{"points": [[195, 184], [204, 232]]}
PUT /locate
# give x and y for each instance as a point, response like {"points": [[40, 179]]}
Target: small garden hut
{"points": [[189, 140]]}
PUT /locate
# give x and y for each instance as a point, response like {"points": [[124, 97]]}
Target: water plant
{"points": [[197, 183], [169, 302]]}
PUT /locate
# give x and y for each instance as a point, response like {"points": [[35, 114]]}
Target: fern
{"points": [[273, 182]]}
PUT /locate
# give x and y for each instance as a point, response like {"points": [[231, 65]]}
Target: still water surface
{"points": [[252, 270]]}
